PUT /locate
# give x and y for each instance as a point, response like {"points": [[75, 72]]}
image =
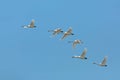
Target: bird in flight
{"points": [[82, 56], [75, 42], [56, 31], [31, 25], [103, 63], [67, 33]]}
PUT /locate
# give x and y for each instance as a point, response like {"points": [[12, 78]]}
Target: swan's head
{"points": [[85, 58], [105, 65], [94, 62], [61, 31], [35, 26], [73, 56], [72, 34]]}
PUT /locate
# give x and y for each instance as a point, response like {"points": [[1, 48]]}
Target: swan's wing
{"points": [[65, 35], [32, 23], [74, 45], [104, 61], [55, 32], [69, 30], [84, 53]]}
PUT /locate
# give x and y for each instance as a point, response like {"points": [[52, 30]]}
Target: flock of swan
{"points": [[74, 43]]}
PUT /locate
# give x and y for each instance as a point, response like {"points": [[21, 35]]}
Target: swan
{"points": [[82, 56], [56, 31], [31, 25], [103, 63], [69, 32], [75, 42]]}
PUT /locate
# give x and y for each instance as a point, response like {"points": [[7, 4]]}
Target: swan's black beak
{"points": [[105, 65], [72, 34], [73, 57], [62, 31]]}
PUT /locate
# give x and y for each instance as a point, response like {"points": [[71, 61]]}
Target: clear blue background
{"points": [[30, 54]]}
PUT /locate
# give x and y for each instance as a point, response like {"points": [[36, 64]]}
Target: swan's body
{"points": [[82, 56], [75, 42], [103, 63], [31, 25], [56, 31], [67, 33]]}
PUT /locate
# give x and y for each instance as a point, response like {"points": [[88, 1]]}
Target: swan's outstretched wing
{"points": [[104, 61], [57, 31], [32, 23], [67, 33], [74, 44], [84, 53], [69, 30], [77, 41], [64, 36]]}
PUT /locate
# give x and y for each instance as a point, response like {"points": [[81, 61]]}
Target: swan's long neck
{"points": [[96, 63], [50, 30], [70, 41], [75, 56]]}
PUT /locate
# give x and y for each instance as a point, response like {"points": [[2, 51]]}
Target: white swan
{"points": [[56, 31], [103, 63], [31, 25], [69, 32], [82, 56], [75, 42]]}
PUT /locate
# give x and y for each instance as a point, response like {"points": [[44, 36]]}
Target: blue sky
{"points": [[30, 54]]}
